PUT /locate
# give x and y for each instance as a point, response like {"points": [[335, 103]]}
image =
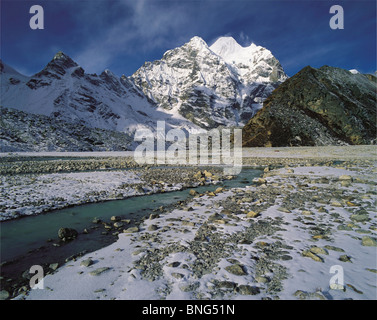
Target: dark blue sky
{"points": [[121, 35]]}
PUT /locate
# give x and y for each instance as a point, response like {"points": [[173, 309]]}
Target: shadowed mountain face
{"points": [[325, 106]]}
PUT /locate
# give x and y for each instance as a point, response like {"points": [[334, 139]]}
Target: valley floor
{"points": [[306, 230]]}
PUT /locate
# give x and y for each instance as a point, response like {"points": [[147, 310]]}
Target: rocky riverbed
{"points": [[29, 192], [307, 229]]}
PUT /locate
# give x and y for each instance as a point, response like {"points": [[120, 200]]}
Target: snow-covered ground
{"points": [[298, 241], [35, 193]]}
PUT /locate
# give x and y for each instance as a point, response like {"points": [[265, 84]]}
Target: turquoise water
{"points": [[28, 235]]}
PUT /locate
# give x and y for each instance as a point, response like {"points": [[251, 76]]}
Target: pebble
{"points": [[312, 255], [131, 230], [248, 290], [328, 247], [318, 250], [345, 258], [252, 214], [368, 241], [86, 262], [153, 227], [99, 271], [53, 266], [236, 269]]}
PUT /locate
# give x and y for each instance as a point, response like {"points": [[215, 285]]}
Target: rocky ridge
{"points": [[325, 106], [200, 83]]}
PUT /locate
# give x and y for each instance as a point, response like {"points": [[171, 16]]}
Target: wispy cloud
{"points": [[144, 27]]}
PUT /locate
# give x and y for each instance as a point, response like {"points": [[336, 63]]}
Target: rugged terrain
{"points": [[191, 87], [221, 84], [22, 131], [277, 237], [325, 106]]}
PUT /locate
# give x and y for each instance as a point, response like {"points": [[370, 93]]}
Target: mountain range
{"points": [[193, 87]]}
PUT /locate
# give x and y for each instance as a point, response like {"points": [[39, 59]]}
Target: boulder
{"points": [[67, 234]]}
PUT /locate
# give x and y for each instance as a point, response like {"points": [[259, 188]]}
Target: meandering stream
{"points": [[33, 239]]}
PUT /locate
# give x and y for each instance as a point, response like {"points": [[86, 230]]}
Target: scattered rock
{"points": [[236, 269], [227, 285], [87, 262], [96, 220], [153, 227], [345, 258], [252, 214], [262, 279], [118, 224], [247, 290], [303, 295], [309, 254], [99, 271], [336, 203], [218, 190], [154, 216], [177, 275], [193, 192], [131, 230], [285, 210], [53, 266], [361, 216], [67, 234], [334, 248], [368, 242], [318, 250], [345, 177], [260, 180]]}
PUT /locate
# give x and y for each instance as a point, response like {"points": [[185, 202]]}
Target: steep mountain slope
{"points": [[203, 84], [21, 131], [64, 91], [252, 64], [317, 107]]}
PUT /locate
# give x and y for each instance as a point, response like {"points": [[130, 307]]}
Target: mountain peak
{"points": [[60, 55], [197, 41], [228, 44], [55, 69], [227, 41], [249, 61], [63, 60]]}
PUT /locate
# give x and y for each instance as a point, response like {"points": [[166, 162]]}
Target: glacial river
{"points": [[33, 239]]}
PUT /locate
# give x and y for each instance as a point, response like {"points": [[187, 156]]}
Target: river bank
{"points": [[281, 237]]}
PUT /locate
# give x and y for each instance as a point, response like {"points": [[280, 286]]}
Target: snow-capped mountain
{"points": [[253, 63], [65, 92], [192, 87], [224, 84]]}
